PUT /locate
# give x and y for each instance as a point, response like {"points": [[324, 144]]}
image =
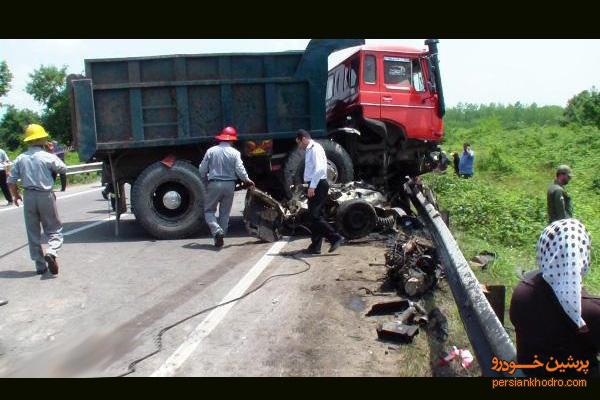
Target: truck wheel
{"points": [[169, 202], [340, 168], [355, 218]]}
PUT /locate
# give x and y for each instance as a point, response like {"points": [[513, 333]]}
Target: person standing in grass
{"points": [[467, 158], [455, 162], [559, 202]]}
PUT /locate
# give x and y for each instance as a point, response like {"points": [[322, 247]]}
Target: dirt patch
{"points": [[338, 337]]}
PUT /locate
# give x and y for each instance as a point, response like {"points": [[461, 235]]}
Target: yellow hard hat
{"points": [[34, 132]]}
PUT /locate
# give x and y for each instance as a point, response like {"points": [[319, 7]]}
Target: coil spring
{"points": [[385, 223]]}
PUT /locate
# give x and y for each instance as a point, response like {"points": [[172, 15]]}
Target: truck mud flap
{"points": [[263, 216]]}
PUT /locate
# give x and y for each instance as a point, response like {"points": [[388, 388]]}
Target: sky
{"points": [[544, 71]]}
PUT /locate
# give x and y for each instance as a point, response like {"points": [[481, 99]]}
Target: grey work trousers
{"points": [[40, 211], [218, 193]]}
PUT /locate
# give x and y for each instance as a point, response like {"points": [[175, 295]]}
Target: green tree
{"points": [[13, 124], [511, 116], [584, 108], [5, 78], [48, 86], [46, 83]]}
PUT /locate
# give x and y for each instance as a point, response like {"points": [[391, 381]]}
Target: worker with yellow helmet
{"points": [[35, 168]]}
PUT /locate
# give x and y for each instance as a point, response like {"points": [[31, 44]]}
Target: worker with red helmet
{"points": [[220, 168]]}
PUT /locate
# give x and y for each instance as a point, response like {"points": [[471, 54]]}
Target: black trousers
{"points": [[316, 207], [4, 186]]}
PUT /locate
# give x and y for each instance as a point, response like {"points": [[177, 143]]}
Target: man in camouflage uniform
{"points": [[559, 202]]}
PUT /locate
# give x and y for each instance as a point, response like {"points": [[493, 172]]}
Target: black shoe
{"points": [[41, 272], [311, 250], [337, 243], [3, 302], [219, 240], [52, 264]]}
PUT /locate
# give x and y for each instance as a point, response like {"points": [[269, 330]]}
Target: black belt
{"points": [[324, 179], [222, 180]]}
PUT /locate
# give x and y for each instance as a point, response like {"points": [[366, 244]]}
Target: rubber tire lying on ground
{"points": [[142, 197], [293, 172], [355, 218]]}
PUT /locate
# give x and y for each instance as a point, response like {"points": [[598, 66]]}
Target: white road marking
{"points": [[57, 198], [71, 232], [88, 226], [204, 328], [77, 194]]}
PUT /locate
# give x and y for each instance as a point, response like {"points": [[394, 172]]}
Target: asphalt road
{"points": [[114, 294]]}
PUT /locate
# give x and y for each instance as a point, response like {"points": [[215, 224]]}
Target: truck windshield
{"points": [[397, 71]]}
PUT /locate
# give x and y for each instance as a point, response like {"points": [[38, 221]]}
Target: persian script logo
{"points": [[551, 366]]}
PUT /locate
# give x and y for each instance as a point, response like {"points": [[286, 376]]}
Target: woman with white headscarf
{"points": [[552, 314]]}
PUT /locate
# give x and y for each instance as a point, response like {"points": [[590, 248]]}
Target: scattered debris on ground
{"points": [[396, 331], [412, 271], [412, 264], [483, 260], [438, 325], [496, 295], [464, 357]]}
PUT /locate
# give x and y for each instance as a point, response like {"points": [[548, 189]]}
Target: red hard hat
{"points": [[228, 133]]}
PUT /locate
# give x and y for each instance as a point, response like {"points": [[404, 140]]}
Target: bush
{"points": [[596, 184], [488, 212], [497, 162]]}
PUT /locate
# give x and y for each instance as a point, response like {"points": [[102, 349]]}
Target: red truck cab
{"points": [[385, 104]]}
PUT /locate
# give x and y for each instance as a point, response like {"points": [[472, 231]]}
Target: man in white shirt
{"points": [[315, 174]]}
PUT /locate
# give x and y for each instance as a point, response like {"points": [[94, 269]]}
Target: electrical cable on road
{"points": [[159, 336]]}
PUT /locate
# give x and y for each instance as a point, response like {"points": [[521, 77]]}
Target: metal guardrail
{"points": [[486, 334], [78, 169]]}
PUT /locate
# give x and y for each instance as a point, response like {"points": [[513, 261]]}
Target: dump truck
{"points": [[150, 121]]}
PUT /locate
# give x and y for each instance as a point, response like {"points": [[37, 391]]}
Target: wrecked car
{"points": [[356, 208]]}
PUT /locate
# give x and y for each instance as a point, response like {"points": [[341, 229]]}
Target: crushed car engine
{"points": [[356, 208]]}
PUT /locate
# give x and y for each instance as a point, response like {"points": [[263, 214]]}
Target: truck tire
{"points": [[355, 218], [169, 202], [340, 168]]}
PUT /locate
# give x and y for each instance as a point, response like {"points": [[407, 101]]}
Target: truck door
{"points": [[370, 97], [404, 100]]}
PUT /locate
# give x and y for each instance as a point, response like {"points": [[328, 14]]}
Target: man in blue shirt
{"points": [[467, 158], [220, 168], [35, 168], [315, 174]]}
